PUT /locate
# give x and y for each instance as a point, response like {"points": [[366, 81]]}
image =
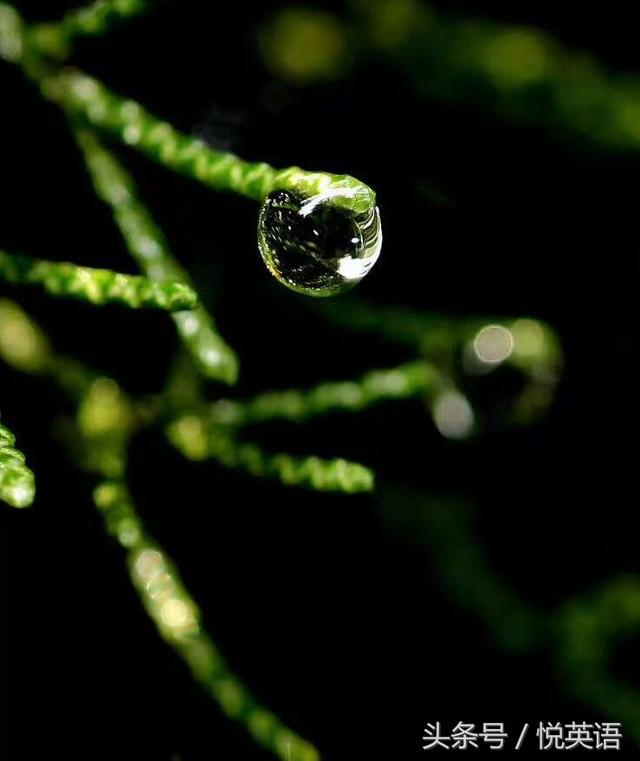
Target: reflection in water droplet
{"points": [[315, 247]]}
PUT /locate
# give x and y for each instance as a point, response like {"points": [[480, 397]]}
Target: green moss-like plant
{"points": [[202, 428]]}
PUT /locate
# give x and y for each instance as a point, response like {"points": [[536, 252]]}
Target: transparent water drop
{"points": [[315, 247]]}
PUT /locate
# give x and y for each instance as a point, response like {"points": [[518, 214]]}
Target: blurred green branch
{"points": [[149, 249], [521, 72], [106, 419], [97, 286], [446, 526], [199, 440], [178, 620], [525, 75], [17, 483], [88, 100], [297, 405], [470, 346], [91, 20], [586, 632], [210, 432], [580, 634]]}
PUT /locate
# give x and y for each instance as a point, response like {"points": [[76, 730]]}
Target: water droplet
{"points": [[314, 246]]}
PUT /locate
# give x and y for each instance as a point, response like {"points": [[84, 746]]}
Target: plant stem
{"points": [[413, 379], [197, 439], [87, 99], [91, 20], [126, 120], [522, 73], [179, 621], [106, 418], [17, 483], [97, 286], [146, 244]]}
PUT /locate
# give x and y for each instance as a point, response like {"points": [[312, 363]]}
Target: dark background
{"points": [[332, 613]]}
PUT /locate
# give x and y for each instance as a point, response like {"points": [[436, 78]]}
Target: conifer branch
{"points": [[179, 622], [105, 420], [93, 20], [478, 344], [523, 73], [17, 483], [585, 636], [149, 249], [97, 286], [198, 440], [90, 101], [413, 379]]}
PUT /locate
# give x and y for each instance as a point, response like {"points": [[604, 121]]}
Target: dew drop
{"points": [[314, 246]]}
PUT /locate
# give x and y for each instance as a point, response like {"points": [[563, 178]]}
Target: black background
{"points": [[332, 614]]}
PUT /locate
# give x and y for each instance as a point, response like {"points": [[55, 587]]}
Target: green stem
{"points": [[106, 419], [91, 20], [126, 120], [531, 346], [522, 73], [198, 440], [179, 621], [413, 379], [87, 99], [17, 483], [446, 526], [587, 630], [148, 247], [97, 286]]}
